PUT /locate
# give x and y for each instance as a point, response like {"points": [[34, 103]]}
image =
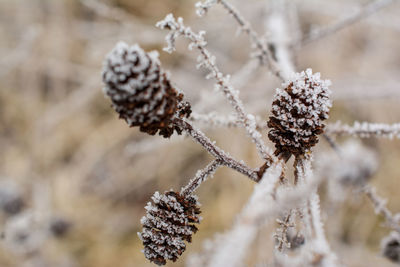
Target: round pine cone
{"points": [[167, 224], [298, 112], [141, 91]]}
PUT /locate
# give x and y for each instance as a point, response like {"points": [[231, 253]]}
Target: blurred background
{"points": [[74, 179]]}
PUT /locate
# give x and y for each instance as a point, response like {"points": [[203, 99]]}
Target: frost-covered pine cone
{"points": [[168, 223], [298, 112], [141, 91]]}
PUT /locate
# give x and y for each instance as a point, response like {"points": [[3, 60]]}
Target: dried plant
{"points": [[143, 95], [309, 165]]}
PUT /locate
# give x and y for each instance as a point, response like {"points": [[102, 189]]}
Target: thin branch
{"points": [[358, 129], [200, 177], [365, 129], [207, 60], [278, 29], [331, 143], [214, 119], [380, 207], [281, 232], [108, 11], [263, 52], [315, 233], [322, 32], [217, 152]]}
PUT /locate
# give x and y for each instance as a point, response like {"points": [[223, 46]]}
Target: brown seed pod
{"points": [[169, 222], [297, 113], [141, 92]]}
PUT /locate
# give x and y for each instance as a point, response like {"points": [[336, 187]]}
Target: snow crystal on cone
{"points": [[168, 223], [141, 91], [298, 112]]}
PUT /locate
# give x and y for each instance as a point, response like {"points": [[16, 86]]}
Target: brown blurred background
{"points": [[71, 160]]}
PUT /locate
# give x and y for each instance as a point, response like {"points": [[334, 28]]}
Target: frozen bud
{"points": [[390, 246], [141, 91], [169, 222], [298, 112]]}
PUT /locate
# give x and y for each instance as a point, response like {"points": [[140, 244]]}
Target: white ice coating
{"points": [[133, 75], [164, 228], [311, 103]]}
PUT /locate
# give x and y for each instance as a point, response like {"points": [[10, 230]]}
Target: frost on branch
{"points": [[366, 129], [203, 7], [169, 222], [298, 112], [141, 91], [207, 60], [177, 28]]}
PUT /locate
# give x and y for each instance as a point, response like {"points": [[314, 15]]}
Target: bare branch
{"points": [[315, 233], [216, 151], [200, 177], [263, 53], [108, 11], [322, 32], [380, 207]]}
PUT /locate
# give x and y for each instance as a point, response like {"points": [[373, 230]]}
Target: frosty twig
{"points": [[380, 207], [365, 129], [314, 229], [200, 177], [207, 60], [216, 151], [364, 12]]}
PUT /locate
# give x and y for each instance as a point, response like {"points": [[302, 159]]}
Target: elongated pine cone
{"points": [[168, 223], [298, 112], [141, 91]]}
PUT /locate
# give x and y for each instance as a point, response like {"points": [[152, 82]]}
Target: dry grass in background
{"points": [[71, 160]]}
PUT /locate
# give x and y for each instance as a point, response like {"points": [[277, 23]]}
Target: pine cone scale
{"points": [[141, 91], [168, 223]]}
